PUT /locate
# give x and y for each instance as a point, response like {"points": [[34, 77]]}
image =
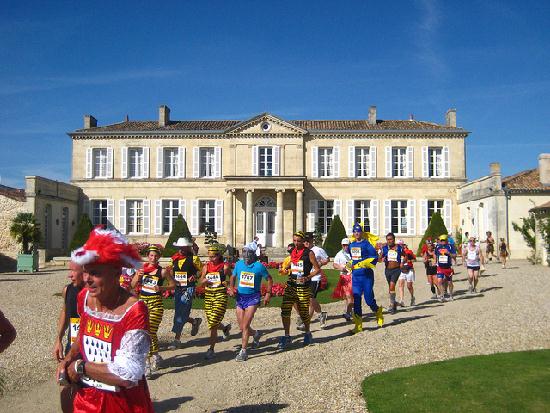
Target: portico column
{"points": [[279, 239], [228, 216], [299, 210], [249, 216]]}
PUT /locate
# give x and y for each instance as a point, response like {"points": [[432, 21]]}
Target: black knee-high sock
{"points": [[433, 289]]}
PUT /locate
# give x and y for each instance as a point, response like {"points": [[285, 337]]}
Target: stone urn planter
{"points": [[27, 262]]}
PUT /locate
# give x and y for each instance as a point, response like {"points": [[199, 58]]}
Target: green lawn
{"points": [[506, 382], [323, 296]]}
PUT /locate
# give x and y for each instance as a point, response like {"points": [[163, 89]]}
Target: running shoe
{"points": [[174, 345], [256, 339], [413, 301], [195, 326], [284, 341], [441, 298], [401, 303], [323, 320], [470, 289], [300, 326], [434, 297], [242, 356], [347, 316], [392, 310], [380, 316], [156, 361], [226, 332], [450, 297], [308, 338], [209, 354]]}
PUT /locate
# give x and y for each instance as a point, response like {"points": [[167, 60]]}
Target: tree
{"points": [[318, 234], [210, 237], [25, 231], [179, 230], [527, 231], [334, 237], [436, 227], [82, 232]]}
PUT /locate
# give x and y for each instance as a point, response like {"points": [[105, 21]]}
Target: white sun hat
{"points": [[183, 242]]}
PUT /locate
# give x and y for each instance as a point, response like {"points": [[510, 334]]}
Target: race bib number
{"points": [[246, 279], [472, 255], [443, 259], [297, 269], [74, 326], [356, 253], [214, 278], [392, 255], [149, 284], [181, 278]]}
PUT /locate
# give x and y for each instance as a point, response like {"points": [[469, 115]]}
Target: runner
{"points": [[151, 278], [363, 259], [444, 254], [68, 317], [392, 255], [247, 275], [107, 359], [184, 269], [407, 275], [490, 248], [214, 275], [473, 257], [322, 259], [452, 243], [503, 252], [303, 267], [343, 290], [423, 253], [430, 262]]}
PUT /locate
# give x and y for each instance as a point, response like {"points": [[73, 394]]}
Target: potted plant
{"points": [[25, 231]]}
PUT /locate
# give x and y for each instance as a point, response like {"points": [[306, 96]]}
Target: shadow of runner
{"points": [[169, 405], [254, 408], [404, 320]]}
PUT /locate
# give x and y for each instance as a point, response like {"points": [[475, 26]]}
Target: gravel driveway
{"points": [[512, 312]]}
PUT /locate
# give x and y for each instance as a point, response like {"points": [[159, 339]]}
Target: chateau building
{"points": [[268, 176]]}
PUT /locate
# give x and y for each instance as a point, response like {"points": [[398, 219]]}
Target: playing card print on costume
{"points": [[246, 280], [97, 339]]}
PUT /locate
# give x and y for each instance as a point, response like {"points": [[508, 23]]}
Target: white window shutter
{"points": [[411, 217], [374, 216], [124, 162], [410, 164], [350, 218], [109, 165], [218, 219], [196, 159], [145, 173], [146, 215], [446, 162], [110, 213], [423, 215], [255, 161], [372, 161], [160, 162], [194, 217], [276, 160], [388, 162], [158, 216], [448, 214], [122, 216], [182, 209], [425, 163], [351, 162], [387, 216], [337, 208], [311, 215], [336, 161], [314, 162], [217, 162], [89, 161], [181, 162]]}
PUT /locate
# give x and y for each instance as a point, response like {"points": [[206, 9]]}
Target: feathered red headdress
{"points": [[107, 247]]}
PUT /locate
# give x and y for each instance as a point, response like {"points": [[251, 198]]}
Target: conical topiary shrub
{"points": [[179, 230], [82, 232], [335, 235], [436, 227]]}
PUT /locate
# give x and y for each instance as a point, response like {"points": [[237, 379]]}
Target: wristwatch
{"points": [[79, 367]]}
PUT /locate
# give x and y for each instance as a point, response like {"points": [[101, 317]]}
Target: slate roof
{"points": [[13, 193], [524, 181]]}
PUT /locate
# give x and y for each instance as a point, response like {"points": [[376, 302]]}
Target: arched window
{"points": [[265, 202]]}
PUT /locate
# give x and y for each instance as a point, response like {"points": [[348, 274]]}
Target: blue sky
{"points": [[296, 59]]}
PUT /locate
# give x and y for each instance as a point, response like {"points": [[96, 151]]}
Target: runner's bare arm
{"points": [[167, 275], [267, 295], [202, 279], [316, 269], [231, 289], [99, 372], [62, 323], [136, 278]]}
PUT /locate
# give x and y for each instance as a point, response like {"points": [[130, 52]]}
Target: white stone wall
{"points": [[9, 208]]}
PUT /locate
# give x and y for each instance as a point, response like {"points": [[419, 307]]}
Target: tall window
{"points": [[206, 162], [326, 162], [136, 161], [99, 162], [435, 162], [361, 213], [171, 160], [399, 219], [134, 218], [207, 215], [99, 212], [265, 161], [435, 206], [170, 211], [362, 162], [325, 211], [399, 162]]}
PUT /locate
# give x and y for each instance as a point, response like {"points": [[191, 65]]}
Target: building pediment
{"points": [[266, 124]]}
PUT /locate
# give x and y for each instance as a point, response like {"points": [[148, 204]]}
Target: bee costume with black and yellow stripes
{"points": [[215, 295], [153, 301]]}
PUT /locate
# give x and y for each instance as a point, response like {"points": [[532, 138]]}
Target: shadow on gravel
{"points": [[254, 408], [402, 320], [469, 297], [13, 279], [170, 404], [484, 290]]}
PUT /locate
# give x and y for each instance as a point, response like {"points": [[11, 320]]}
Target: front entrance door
{"points": [[264, 213]]}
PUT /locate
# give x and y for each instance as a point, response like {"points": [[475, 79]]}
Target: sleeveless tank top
{"points": [[150, 281], [215, 274], [183, 271], [472, 257], [71, 309], [300, 269]]}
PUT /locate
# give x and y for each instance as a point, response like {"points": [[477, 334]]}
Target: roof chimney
{"points": [[89, 122], [495, 168], [450, 118], [164, 115], [372, 115], [544, 169]]}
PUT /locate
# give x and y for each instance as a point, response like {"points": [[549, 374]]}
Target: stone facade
{"points": [[267, 176], [12, 202]]}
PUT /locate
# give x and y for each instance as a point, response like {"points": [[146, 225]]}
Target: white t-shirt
{"points": [[342, 258], [320, 254]]}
